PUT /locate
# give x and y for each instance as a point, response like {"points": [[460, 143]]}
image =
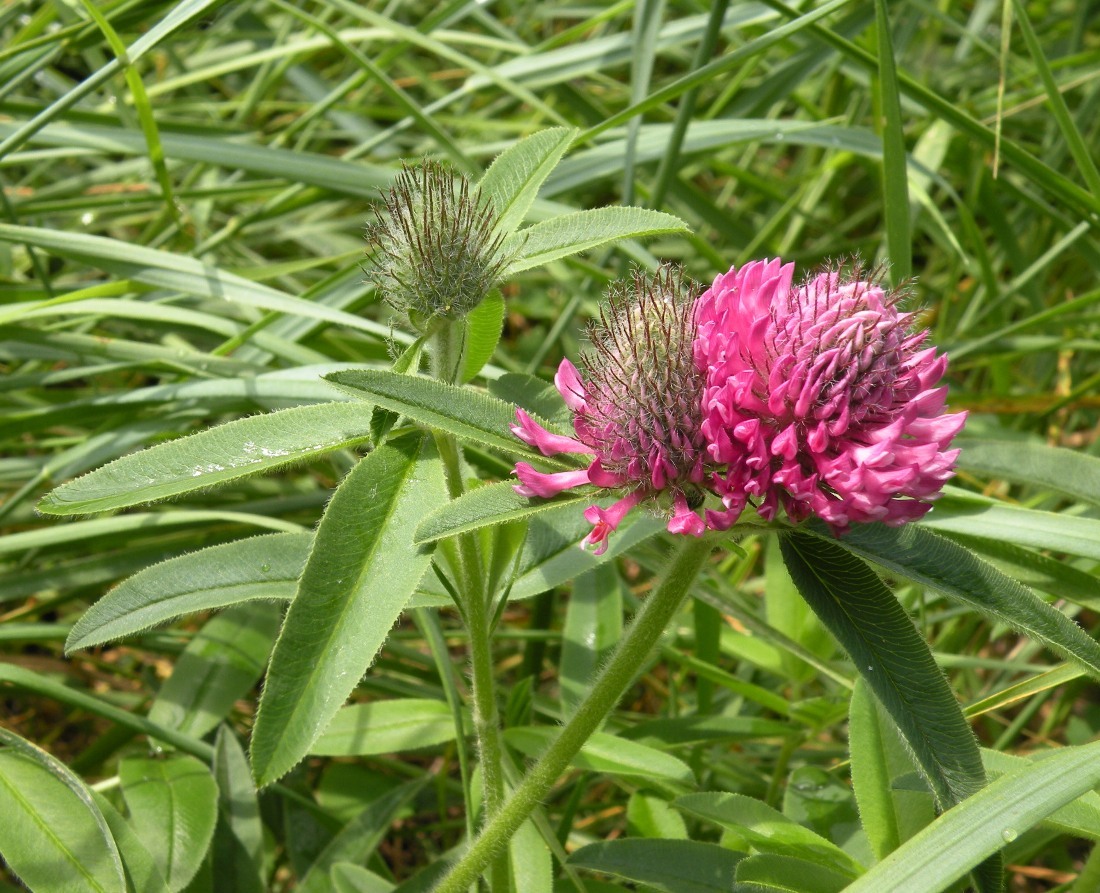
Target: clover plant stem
{"points": [[620, 671], [446, 364]]}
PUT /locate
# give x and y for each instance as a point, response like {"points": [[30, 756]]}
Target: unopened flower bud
{"points": [[439, 250]]}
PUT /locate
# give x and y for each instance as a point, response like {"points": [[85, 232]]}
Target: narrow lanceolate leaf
{"points": [[513, 180], [362, 571], [264, 567], [895, 177], [584, 230], [932, 560], [889, 653], [1045, 467], [467, 414], [593, 626], [390, 726], [606, 753], [53, 835], [485, 506], [962, 837], [672, 866], [225, 453], [173, 805]]}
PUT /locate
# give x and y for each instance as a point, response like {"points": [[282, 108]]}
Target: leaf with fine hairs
{"points": [[360, 575], [889, 653]]}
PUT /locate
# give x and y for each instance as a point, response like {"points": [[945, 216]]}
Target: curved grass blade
{"points": [[932, 560], [977, 828], [215, 456], [1045, 467], [361, 573], [889, 653]]}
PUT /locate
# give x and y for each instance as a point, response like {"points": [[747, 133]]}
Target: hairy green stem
{"points": [[446, 364], [617, 675]]}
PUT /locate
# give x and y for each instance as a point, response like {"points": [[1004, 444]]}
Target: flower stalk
{"points": [[618, 673]]}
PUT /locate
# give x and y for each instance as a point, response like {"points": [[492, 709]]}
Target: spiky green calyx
{"points": [[439, 251]]}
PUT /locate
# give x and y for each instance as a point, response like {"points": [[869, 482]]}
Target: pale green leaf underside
{"points": [[53, 834], [978, 827], [360, 575], [513, 179], [173, 805], [391, 726], [215, 456], [606, 753], [584, 230]]}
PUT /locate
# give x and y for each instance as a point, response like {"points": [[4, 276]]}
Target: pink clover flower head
{"points": [[819, 398], [636, 411]]}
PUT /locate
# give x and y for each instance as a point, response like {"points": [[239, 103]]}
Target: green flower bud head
{"points": [[439, 251]]}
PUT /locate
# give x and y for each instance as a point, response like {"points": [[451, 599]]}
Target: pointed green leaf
{"points": [[768, 872], [227, 452], [361, 573], [888, 815], [238, 850], [529, 859], [920, 555], [671, 866], [53, 835], [484, 325], [584, 230], [391, 726], [1080, 817], [979, 826], [487, 506], [767, 830], [606, 753], [173, 806], [359, 837], [142, 873], [888, 652], [219, 665], [471, 415], [513, 179], [264, 567], [1048, 468]]}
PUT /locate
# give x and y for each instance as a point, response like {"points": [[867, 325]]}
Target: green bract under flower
{"points": [[439, 250]]}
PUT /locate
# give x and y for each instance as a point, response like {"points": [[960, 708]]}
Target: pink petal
{"points": [[684, 520], [537, 483], [569, 385], [605, 521], [547, 443]]}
